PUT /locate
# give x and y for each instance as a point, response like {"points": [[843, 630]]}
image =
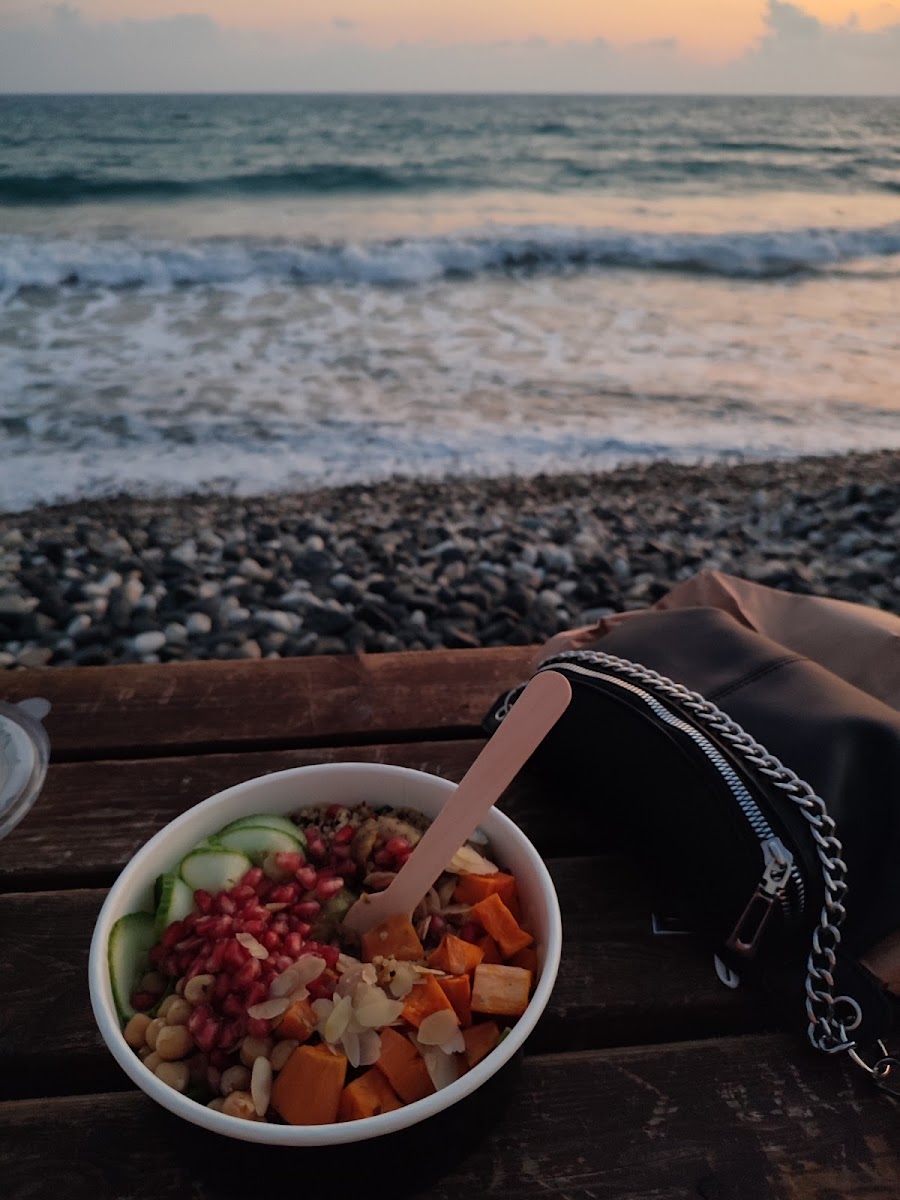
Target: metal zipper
{"points": [[780, 870]]}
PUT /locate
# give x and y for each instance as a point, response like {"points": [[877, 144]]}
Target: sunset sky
{"points": [[464, 45]]}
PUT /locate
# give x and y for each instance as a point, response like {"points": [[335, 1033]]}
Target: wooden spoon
{"points": [[528, 722]]}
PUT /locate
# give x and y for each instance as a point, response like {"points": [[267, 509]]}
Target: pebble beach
{"points": [[408, 565]]}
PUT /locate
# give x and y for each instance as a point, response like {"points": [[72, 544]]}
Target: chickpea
{"points": [[217, 1104], [152, 1031], [235, 1079], [173, 1042], [175, 1074], [282, 1052], [240, 1104], [164, 1007], [199, 989], [136, 1030], [144, 1053], [178, 1012], [152, 1061], [152, 982], [253, 1048]]}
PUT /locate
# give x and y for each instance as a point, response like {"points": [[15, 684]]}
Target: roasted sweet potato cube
{"points": [[500, 989]]}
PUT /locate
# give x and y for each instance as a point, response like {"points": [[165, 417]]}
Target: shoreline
{"points": [[407, 564]]}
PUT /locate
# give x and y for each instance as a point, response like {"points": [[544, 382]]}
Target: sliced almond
{"points": [[261, 1085], [438, 1028], [468, 860], [266, 1010], [257, 949]]}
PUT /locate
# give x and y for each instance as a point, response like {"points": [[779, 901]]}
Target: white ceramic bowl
{"points": [[286, 792]]}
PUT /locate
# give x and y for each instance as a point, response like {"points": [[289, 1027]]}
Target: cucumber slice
{"points": [[213, 870], [176, 900], [130, 942], [258, 841], [267, 821]]}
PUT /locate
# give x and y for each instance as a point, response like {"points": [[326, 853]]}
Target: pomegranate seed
{"points": [[326, 888], [340, 854], [316, 847], [397, 845], [217, 958], [197, 967], [469, 932], [256, 993], [323, 987], [143, 1000], [204, 926], [344, 836], [170, 966], [254, 927], [282, 962], [248, 972], [293, 944], [307, 877], [288, 861], [257, 1028], [333, 811], [221, 987], [233, 1005], [198, 1018], [438, 925], [349, 869], [271, 940], [208, 1035], [264, 889], [303, 928], [203, 900], [307, 910], [231, 1033], [235, 956], [381, 858], [244, 891], [400, 860], [280, 925], [225, 904], [173, 934], [285, 893], [253, 878]]}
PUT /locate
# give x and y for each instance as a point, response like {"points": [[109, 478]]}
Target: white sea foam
{"points": [[29, 261]]}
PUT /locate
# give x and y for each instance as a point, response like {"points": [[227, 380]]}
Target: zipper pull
{"points": [[745, 937]]}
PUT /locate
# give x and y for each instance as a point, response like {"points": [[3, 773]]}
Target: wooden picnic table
{"points": [[645, 1077]]}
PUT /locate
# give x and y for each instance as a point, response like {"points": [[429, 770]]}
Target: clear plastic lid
{"points": [[24, 751]]}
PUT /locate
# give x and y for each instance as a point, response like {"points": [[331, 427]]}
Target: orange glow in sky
{"points": [[711, 29]]}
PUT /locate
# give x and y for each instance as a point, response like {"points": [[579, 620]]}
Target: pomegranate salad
{"points": [[244, 991]]}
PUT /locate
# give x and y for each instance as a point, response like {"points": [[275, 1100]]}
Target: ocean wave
{"points": [[55, 262], [69, 187]]}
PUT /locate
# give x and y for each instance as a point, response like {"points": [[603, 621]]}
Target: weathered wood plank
{"points": [[751, 1118], [617, 983], [277, 703], [92, 817]]}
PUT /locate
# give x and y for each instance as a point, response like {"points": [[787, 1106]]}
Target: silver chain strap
{"points": [[831, 1018]]}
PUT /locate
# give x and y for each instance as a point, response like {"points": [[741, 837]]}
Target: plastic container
{"points": [[24, 753], [288, 792]]}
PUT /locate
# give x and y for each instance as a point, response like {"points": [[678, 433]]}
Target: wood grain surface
{"points": [[746, 1118], [132, 711]]}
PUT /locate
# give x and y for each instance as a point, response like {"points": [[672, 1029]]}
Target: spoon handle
{"points": [[528, 722]]}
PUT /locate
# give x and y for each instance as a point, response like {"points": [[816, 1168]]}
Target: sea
{"points": [[265, 293]]}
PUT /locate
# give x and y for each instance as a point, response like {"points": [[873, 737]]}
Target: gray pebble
{"points": [[149, 642], [198, 624]]}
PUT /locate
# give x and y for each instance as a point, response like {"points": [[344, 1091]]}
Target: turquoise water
{"points": [[265, 292]]}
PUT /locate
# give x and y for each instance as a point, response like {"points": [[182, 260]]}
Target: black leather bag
{"points": [[765, 790]]}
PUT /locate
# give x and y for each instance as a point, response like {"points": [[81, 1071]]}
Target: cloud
{"points": [[797, 53]]}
